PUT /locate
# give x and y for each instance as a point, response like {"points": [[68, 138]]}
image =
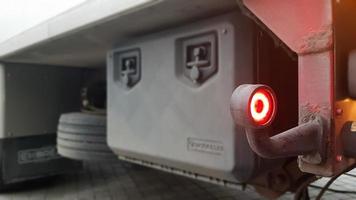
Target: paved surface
{"points": [[122, 181]]}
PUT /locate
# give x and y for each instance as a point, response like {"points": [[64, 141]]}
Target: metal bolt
{"points": [[339, 111], [339, 158], [305, 120]]}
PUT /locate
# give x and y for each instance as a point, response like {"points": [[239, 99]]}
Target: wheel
{"points": [[82, 136]]}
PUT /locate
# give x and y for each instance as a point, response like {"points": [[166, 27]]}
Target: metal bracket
{"points": [[304, 140]]}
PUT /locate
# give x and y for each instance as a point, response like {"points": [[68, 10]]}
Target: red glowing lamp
{"points": [[262, 106], [253, 106]]}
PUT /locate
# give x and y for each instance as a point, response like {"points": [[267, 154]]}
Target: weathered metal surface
{"points": [[304, 26], [317, 41], [316, 84], [316, 96]]}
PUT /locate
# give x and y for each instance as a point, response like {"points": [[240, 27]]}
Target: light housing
{"points": [[262, 106], [253, 106]]}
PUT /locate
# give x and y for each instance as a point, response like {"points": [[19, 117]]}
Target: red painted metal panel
{"points": [[316, 97], [303, 25], [316, 81]]}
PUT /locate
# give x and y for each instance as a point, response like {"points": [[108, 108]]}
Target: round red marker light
{"points": [[262, 106]]}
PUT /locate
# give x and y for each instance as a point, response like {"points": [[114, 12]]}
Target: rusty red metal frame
{"points": [[306, 27]]}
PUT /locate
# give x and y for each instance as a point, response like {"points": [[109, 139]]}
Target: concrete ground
{"points": [[123, 181]]}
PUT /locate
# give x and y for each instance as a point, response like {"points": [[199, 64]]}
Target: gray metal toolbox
{"points": [[169, 95]]}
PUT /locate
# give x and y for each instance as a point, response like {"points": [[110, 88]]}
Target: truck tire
{"points": [[82, 136]]}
